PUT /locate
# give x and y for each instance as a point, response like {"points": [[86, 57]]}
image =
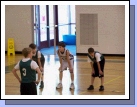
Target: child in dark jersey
{"points": [[97, 62], [28, 70], [39, 58]]}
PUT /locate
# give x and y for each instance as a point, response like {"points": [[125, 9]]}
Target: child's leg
{"points": [[102, 84], [102, 63], [60, 79], [92, 80], [102, 81], [91, 87], [72, 80], [64, 66], [72, 77], [61, 74], [42, 76], [72, 74], [42, 83]]}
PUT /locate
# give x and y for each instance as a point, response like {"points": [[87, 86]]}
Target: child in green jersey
{"points": [[28, 70]]}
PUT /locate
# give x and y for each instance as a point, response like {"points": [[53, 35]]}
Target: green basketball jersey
{"points": [[27, 74], [94, 59], [35, 58]]}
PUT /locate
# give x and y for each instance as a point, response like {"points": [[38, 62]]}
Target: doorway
{"points": [[52, 24]]}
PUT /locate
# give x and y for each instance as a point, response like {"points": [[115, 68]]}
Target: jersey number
{"points": [[24, 71]]}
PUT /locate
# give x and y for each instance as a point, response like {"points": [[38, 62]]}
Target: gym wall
{"points": [[19, 25], [101, 27]]}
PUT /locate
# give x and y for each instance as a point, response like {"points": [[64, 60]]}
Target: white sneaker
{"points": [[72, 86], [59, 85]]}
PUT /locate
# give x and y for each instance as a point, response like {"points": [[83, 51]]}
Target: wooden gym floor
{"points": [[114, 81]]}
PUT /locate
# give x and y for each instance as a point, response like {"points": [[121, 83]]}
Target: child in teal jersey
{"points": [[28, 69]]}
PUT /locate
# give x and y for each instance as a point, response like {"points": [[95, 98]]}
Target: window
{"points": [[43, 23], [51, 22], [63, 20]]}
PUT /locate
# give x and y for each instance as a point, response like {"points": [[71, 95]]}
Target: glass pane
{"points": [[63, 30], [72, 11], [63, 16], [73, 29], [34, 16], [63, 20], [43, 31], [34, 25], [51, 22]]}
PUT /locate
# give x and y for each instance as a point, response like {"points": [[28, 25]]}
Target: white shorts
{"points": [[65, 64]]}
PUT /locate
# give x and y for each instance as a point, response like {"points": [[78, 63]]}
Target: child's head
{"points": [[27, 52], [61, 46], [91, 51], [33, 47]]}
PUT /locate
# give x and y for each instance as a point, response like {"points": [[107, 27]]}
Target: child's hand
{"points": [[100, 72], [37, 82], [41, 69]]}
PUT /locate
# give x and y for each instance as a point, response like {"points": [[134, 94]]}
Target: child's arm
{"points": [[40, 66], [39, 75], [68, 60], [35, 67], [60, 60], [98, 66], [39, 61], [15, 74], [98, 60], [14, 71], [100, 72], [91, 63]]}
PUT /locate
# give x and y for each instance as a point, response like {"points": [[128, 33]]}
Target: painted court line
{"points": [[104, 83]]}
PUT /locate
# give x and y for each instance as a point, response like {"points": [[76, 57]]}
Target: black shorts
{"points": [[102, 64], [28, 89]]}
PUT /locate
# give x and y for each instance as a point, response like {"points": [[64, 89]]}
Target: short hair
{"points": [[62, 44], [90, 50], [33, 46], [26, 51]]}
